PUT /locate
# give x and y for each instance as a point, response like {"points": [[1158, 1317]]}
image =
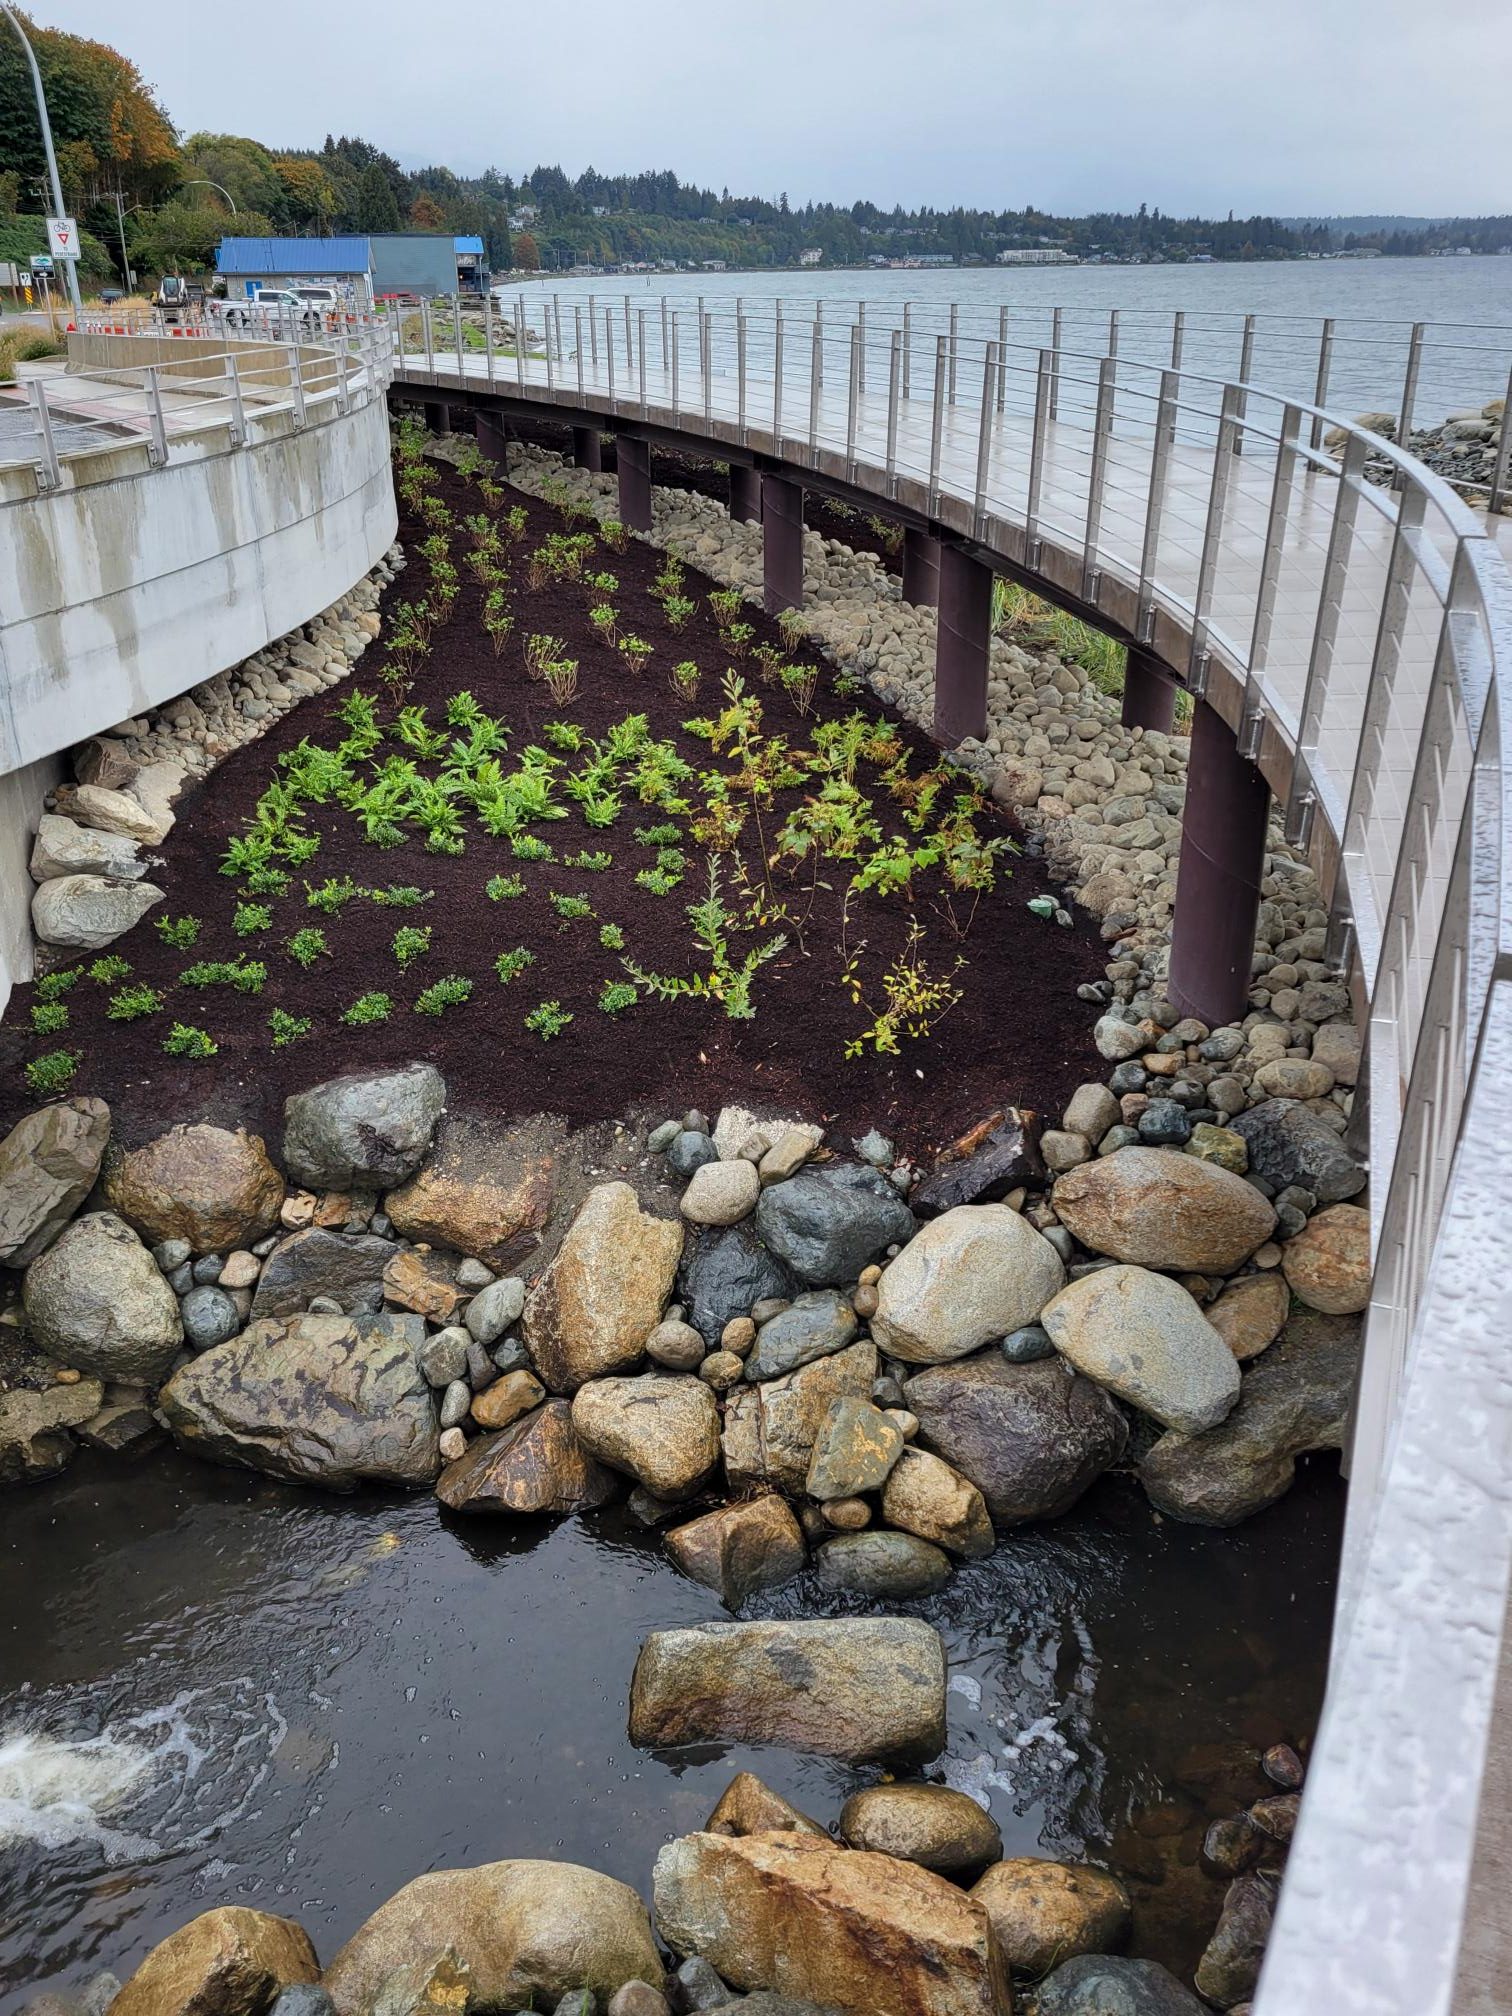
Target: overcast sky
{"points": [[1280, 106]]}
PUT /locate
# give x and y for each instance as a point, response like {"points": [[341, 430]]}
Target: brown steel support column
{"points": [[437, 416], [493, 440], [633, 459], [588, 449], [745, 494], [781, 544], [1218, 879], [1149, 693], [921, 569], [963, 637]]}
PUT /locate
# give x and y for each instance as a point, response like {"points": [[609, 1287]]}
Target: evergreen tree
{"points": [[376, 208]]}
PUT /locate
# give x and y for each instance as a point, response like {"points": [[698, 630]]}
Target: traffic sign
{"points": [[63, 237], [41, 262]]}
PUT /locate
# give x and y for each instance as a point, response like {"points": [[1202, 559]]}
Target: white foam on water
{"points": [[54, 1794]]}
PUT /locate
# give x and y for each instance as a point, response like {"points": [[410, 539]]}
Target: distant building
{"points": [[713, 265], [811, 255], [1038, 255], [524, 217], [422, 263]]}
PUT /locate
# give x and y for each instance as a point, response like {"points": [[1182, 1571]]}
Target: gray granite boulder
{"points": [[83, 912], [34, 1437], [368, 1131], [62, 847], [1100, 1984], [829, 1223], [1290, 1145], [817, 1323], [48, 1164], [346, 1266], [96, 1300], [884, 1567], [1142, 1336], [725, 1272]]}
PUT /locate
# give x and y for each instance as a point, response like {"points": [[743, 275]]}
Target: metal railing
{"points": [[1369, 626]]}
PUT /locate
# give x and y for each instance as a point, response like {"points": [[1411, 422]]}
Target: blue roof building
{"points": [[422, 263]]}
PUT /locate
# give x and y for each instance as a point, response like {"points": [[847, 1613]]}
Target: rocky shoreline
{"points": [[791, 1353]]}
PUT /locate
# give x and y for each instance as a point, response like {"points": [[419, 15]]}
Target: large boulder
{"points": [[527, 1932], [815, 1324], [209, 1185], [96, 1300], [883, 1567], [486, 1190], [770, 1429], [854, 1931], [661, 1429], [754, 1544], [227, 1962], [1156, 1207], [536, 1465], [1046, 1912], [932, 1825], [48, 1164], [346, 1266], [725, 1272], [855, 1449], [329, 1400], [113, 812], [747, 1806], [1327, 1265], [34, 1437], [829, 1223], [591, 1311], [367, 1131], [1032, 1438], [1230, 1965], [925, 1497], [853, 1687], [1294, 1399], [1143, 1337], [1093, 1984], [81, 913], [63, 847], [1288, 1144], [972, 1274]]}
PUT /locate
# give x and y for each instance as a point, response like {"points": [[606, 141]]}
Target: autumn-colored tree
{"points": [[426, 214], [109, 129], [527, 254], [309, 194]]}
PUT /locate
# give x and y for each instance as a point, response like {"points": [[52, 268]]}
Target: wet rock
{"points": [[1230, 1966], [1024, 1346], [854, 1451], [827, 1223], [1294, 1399], [1249, 1313], [346, 1267], [660, 1429], [691, 1150], [1278, 1816], [968, 1277], [770, 1429], [727, 1273], [932, 1825], [494, 1308], [527, 1932], [424, 1282], [843, 1687], [486, 1190], [721, 1193], [812, 1326], [1283, 1766], [124, 1426], [1008, 1158], [303, 2001], [1091, 1112], [1047, 1912], [787, 1155], [82, 913], [1155, 1207], [721, 1370], [1222, 1145], [885, 1567], [926, 1497], [211, 1186], [1032, 1438], [1327, 1265], [509, 1397], [1337, 1045], [1143, 1337], [834, 1925], [328, 1400], [677, 1345], [48, 1164], [95, 1300], [739, 1549], [593, 1308], [1095, 1984], [209, 1316], [34, 1437], [1232, 1845], [638, 1998], [1290, 1145], [227, 1962], [536, 1465], [367, 1131], [746, 1806]]}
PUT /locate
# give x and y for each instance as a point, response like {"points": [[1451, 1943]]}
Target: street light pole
{"points": [[71, 265], [204, 182]]}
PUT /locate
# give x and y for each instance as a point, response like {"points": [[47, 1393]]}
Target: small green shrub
{"points": [[503, 888], [594, 863], [184, 1040], [366, 1008], [612, 938], [617, 996], [49, 1018], [53, 986], [179, 932], [526, 847], [443, 994], [546, 1020], [248, 918], [130, 1004], [247, 976], [335, 891], [286, 1027], [266, 881], [401, 896], [106, 971], [52, 1073], [510, 965], [411, 942], [571, 909], [308, 945], [665, 835]]}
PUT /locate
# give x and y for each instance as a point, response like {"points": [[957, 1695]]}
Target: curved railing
{"points": [[1351, 616]]}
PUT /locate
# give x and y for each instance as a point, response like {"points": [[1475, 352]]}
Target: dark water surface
{"points": [[215, 1689]]}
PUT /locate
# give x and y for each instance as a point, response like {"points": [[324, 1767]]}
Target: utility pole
{"points": [[71, 265]]}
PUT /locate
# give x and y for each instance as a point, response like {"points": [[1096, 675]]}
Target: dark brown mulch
{"points": [[1019, 1034]]}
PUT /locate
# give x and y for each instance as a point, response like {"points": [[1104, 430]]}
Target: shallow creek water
{"points": [[216, 1689]]}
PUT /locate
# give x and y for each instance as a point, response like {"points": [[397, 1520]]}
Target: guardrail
{"points": [[1363, 612]]}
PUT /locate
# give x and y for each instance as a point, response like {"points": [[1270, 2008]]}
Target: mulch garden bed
{"points": [[1018, 1034]]}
